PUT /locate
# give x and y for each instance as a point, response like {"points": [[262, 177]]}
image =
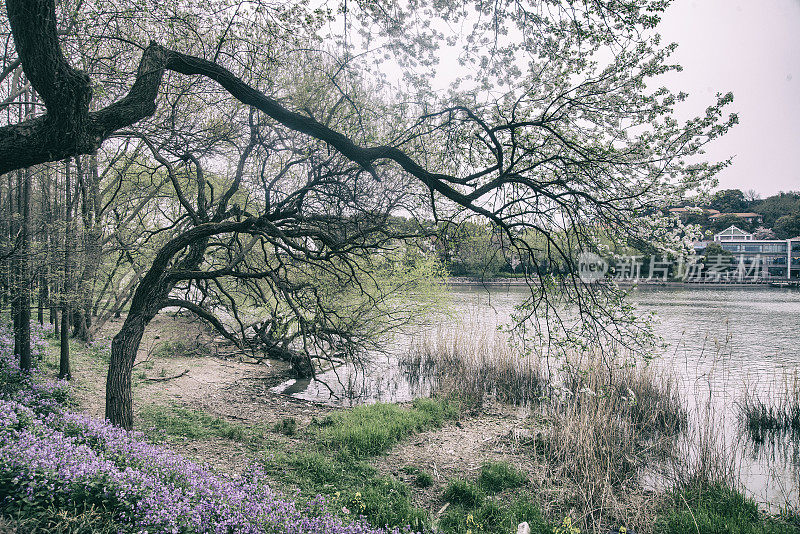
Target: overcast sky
{"points": [[750, 47]]}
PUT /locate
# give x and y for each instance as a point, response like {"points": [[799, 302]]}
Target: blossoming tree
{"points": [[551, 128]]}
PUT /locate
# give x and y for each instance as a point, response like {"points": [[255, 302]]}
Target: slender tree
{"points": [[64, 370]]}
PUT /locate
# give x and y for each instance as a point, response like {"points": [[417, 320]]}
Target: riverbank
{"points": [[437, 464]]}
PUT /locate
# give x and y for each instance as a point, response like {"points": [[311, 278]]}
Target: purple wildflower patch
{"points": [[51, 457]]}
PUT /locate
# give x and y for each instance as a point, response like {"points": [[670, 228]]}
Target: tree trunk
{"points": [[25, 277], [151, 293], [22, 308], [64, 370], [119, 395], [42, 299]]}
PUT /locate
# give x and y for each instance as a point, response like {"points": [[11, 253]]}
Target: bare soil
{"points": [[238, 390], [458, 450], [232, 387]]}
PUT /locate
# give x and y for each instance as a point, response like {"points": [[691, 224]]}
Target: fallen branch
{"points": [[164, 378]]}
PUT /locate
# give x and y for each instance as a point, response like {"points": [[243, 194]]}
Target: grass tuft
{"points": [[286, 426], [499, 476], [494, 517], [717, 509], [463, 493], [423, 480], [373, 429], [778, 417]]}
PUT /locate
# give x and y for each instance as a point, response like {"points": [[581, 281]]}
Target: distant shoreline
{"points": [[497, 282]]}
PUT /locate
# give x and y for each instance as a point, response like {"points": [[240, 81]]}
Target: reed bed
{"points": [[471, 362], [777, 417], [607, 425], [598, 425]]}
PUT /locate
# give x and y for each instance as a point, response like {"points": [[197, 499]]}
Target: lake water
{"points": [[720, 343]]}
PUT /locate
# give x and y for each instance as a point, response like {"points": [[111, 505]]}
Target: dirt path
{"points": [[231, 388]]}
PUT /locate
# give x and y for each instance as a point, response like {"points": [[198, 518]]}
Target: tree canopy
{"points": [[287, 149]]}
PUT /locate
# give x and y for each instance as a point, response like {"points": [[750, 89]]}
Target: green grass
{"points": [[423, 480], [65, 520], [463, 493], [373, 429], [493, 517], [178, 348], [499, 476], [286, 426], [182, 422], [717, 509], [351, 485], [385, 501]]}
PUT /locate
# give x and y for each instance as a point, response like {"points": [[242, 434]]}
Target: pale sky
{"points": [[750, 47]]}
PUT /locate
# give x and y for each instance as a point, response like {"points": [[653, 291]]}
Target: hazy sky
{"points": [[750, 47]]}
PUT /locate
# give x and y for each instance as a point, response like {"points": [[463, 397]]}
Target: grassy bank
{"points": [[572, 464]]}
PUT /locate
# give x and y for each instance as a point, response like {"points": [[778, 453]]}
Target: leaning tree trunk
{"points": [[150, 295], [119, 394]]}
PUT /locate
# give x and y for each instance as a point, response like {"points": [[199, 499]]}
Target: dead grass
{"points": [[471, 362]]}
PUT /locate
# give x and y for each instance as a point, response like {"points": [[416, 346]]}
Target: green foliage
{"points": [[463, 493], [287, 426], [727, 221], [717, 509], [713, 250], [776, 206], [88, 508], [499, 476], [495, 517], [372, 429], [788, 226], [470, 249], [192, 424], [729, 201], [65, 520], [567, 527]]}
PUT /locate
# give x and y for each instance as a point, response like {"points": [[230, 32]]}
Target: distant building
{"points": [[773, 258], [692, 210], [749, 217], [733, 233]]}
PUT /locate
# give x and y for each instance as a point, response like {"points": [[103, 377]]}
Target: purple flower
{"points": [[50, 455]]}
